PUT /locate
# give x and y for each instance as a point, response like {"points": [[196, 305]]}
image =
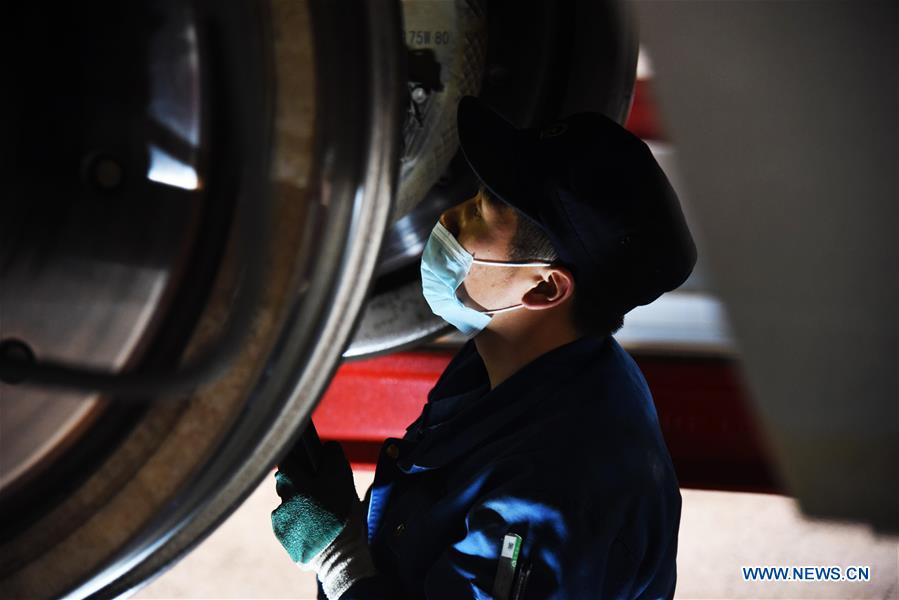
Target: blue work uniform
{"points": [[566, 453]]}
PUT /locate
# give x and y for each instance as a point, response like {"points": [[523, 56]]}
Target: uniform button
{"points": [[399, 530], [392, 451]]}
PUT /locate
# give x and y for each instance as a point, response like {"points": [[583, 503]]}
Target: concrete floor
{"points": [[720, 532]]}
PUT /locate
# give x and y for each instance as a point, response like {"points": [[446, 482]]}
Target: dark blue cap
{"points": [[597, 192]]}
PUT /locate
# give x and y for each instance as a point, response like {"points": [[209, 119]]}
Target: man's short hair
{"points": [[530, 242]]}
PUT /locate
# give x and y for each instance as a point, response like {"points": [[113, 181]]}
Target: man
{"points": [[537, 468]]}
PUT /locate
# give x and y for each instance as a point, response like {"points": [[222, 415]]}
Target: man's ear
{"points": [[554, 287]]}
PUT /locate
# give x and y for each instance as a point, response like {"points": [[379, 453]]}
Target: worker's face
{"points": [[485, 228]]}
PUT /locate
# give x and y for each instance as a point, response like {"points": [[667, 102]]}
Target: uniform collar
{"points": [[462, 411]]}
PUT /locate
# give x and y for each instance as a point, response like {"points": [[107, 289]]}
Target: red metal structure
{"points": [[643, 120], [700, 401]]}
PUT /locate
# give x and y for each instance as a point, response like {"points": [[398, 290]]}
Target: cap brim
{"points": [[499, 154]]}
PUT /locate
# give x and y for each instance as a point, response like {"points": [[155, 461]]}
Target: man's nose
{"points": [[450, 220]]}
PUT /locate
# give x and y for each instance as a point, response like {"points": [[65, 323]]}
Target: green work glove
{"points": [[314, 505], [320, 521]]}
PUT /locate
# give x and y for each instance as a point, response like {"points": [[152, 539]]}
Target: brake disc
{"points": [[446, 46]]}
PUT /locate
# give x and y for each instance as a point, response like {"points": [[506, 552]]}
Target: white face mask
{"points": [[444, 265]]}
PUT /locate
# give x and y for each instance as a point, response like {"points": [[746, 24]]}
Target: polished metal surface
{"points": [[330, 165], [116, 276], [88, 265], [354, 179]]}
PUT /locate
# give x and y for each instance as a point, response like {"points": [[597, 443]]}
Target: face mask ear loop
{"points": [[504, 309], [500, 263]]}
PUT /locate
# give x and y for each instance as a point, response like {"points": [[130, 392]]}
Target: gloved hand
{"points": [[320, 521], [314, 504]]}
